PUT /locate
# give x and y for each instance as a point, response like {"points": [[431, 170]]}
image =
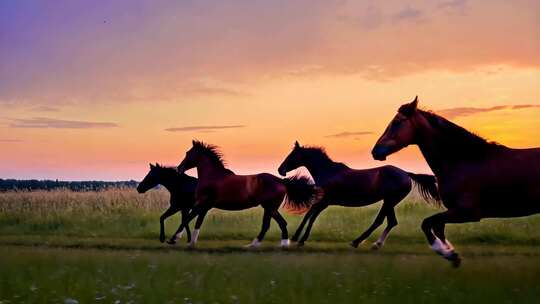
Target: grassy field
{"points": [[102, 247]]}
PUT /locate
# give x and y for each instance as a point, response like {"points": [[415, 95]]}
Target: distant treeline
{"points": [[33, 184]]}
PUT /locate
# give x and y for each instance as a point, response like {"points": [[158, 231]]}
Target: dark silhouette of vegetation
{"points": [[33, 184]]}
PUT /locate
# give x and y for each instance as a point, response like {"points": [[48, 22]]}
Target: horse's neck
{"points": [[321, 169], [171, 182], [207, 170], [443, 153]]}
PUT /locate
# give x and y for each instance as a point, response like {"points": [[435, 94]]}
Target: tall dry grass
{"points": [[43, 202]]}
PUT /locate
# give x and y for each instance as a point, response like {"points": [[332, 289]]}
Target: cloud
{"points": [[197, 89], [8, 140], [468, 111], [525, 106], [408, 14], [228, 41], [204, 129], [44, 109], [52, 123], [453, 5], [348, 134]]}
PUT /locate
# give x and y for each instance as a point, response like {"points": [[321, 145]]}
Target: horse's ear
{"points": [[414, 103], [152, 166], [193, 142], [409, 109], [158, 165], [296, 144]]}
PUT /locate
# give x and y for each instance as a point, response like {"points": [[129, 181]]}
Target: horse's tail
{"points": [[301, 193], [427, 186]]}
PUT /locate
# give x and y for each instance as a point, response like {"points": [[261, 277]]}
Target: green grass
{"points": [[100, 247]]}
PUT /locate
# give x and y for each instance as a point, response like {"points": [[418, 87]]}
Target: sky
{"points": [[92, 91]]}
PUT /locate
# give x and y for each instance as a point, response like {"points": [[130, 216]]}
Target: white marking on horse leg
{"points": [[449, 245], [179, 234], [195, 237], [285, 243], [380, 241], [441, 248], [254, 244]]}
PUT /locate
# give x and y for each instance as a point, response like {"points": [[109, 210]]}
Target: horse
{"points": [[476, 178], [182, 194], [221, 188], [348, 187]]}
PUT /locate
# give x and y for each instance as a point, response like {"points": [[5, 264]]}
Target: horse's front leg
{"points": [[172, 210], [433, 228]]}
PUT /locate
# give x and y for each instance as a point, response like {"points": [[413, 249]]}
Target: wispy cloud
{"points": [[525, 106], [453, 5], [468, 111], [10, 140], [207, 90], [44, 109], [52, 123], [348, 134], [408, 14], [206, 129]]}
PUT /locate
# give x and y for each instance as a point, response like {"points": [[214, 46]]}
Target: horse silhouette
{"points": [[348, 187], [182, 194], [221, 188], [477, 179]]}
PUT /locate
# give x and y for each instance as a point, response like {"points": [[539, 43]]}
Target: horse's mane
{"points": [[320, 153], [168, 169], [459, 138], [211, 151]]}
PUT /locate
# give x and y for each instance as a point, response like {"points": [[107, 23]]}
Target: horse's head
{"points": [[292, 161], [401, 132], [150, 180], [198, 151]]}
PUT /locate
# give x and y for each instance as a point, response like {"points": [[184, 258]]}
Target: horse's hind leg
{"points": [[198, 225], [283, 226], [319, 207], [391, 222], [296, 235], [184, 213], [264, 228], [378, 221]]}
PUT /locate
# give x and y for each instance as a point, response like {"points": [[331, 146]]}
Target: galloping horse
{"points": [[182, 190], [220, 188], [477, 179], [348, 187]]}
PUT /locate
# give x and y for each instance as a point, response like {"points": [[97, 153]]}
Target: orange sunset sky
{"points": [[97, 91]]}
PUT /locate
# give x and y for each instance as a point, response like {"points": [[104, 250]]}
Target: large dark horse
{"points": [[182, 190], [348, 187], [220, 188], [477, 179]]}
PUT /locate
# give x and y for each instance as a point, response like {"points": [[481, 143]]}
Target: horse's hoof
{"points": [[294, 239], [376, 246], [191, 246], [300, 244], [354, 244], [171, 242], [454, 259], [254, 244], [284, 243]]}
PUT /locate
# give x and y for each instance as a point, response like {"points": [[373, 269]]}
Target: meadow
{"points": [[102, 247]]}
